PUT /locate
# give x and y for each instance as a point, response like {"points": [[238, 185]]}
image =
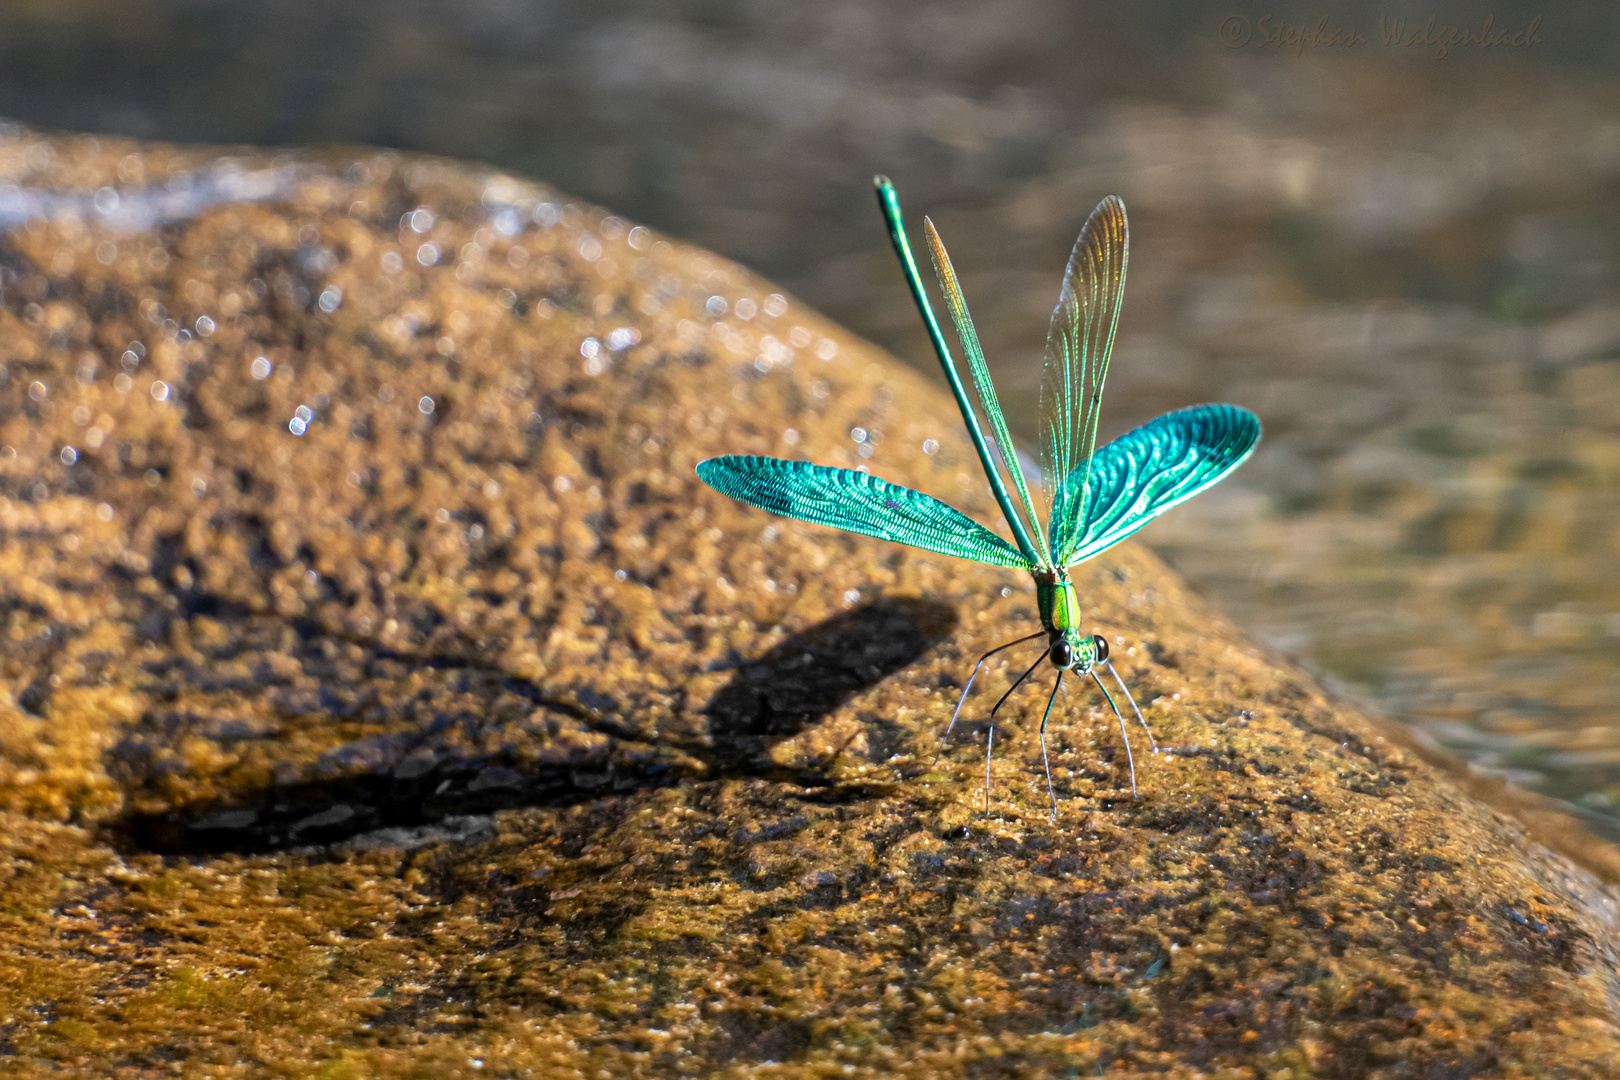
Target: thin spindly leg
{"points": [[1129, 698], [1049, 792], [1128, 758], [943, 739], [990, 738]]}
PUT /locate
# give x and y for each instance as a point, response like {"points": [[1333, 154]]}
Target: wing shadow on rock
{"points": [[815, 672], [426, 783]]}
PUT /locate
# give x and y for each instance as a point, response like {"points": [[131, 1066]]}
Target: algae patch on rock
{"points": [[383, 695]]}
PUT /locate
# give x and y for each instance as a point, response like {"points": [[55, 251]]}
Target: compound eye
{"points": [[1061, 655], [1100, 644]]}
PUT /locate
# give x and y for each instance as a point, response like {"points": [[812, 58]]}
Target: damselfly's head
{"points": [[1075, 652]]}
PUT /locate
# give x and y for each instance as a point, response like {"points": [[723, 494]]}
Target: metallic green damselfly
{"points": [[1095, 497]]}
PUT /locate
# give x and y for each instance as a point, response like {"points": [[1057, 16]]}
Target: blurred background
{"points": [[1403, 253]]}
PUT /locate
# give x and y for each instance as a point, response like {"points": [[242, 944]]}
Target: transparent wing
{"points": [[856, 502], [1078, 344], [1145, 472], [981, 378]]}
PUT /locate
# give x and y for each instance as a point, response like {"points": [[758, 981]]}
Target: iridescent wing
{"points": [[1078, 345], [1145, 472], [981, 378], [856, 502]]}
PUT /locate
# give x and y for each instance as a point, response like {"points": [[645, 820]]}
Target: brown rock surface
{"points": [[464, 733]]}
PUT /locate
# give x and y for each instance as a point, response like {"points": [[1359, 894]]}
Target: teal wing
{"points": [[1079, 343], [856, 502], [1145, 472]]}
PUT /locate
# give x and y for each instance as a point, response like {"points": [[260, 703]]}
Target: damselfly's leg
{"points": [[1110, 665], [1049, 792], [943, 739], [990, 739], [1128, 758]]}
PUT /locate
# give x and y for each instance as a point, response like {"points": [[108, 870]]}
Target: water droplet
{"points": [[930, 446], [508, 223], [205, 325], [426, 405], [331, 297], [419, 220], [160, 391], [297, 425], [69, 455], [715, 305], [428, 253], [261, 368], [392, 263]]}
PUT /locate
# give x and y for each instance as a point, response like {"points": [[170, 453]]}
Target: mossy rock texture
{"points": [[382, 695]]}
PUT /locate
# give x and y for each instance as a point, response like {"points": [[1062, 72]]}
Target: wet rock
{"points": [[385, 696]]}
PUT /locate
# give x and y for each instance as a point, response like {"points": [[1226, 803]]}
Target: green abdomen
{"points": [[1060, 607]]}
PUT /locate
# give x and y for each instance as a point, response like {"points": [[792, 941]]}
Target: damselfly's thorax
{"points": [[1067, 648], [1055, 596]]}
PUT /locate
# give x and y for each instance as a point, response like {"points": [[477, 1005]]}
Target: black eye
{"points": [[1062, 656], [1100, 644]]}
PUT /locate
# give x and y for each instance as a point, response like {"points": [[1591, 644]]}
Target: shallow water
{"points": [[1407, 267]]}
